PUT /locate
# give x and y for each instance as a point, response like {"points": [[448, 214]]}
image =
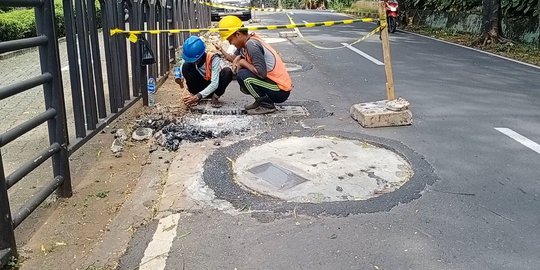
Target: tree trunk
{"points": [[491, 23]]}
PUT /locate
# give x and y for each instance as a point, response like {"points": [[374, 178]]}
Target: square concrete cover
{"points": [[277, 176], [287, 34], [375, 114]]}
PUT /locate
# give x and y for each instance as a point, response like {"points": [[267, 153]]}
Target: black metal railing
{"points": [[94, 102], [54, 116]]}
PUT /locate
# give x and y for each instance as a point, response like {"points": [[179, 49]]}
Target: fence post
{"points": [[74, 73], [386, 53], [135, 64], [54, 95], [8, 246], [108, 40], [121, 49], [142, 10], [86, 65]]}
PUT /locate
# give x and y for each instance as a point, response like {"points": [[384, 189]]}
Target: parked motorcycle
{"points": [[391, 15]]}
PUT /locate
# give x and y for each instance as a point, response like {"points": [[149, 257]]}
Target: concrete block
{"points": [[375, 114], [288, 34]]}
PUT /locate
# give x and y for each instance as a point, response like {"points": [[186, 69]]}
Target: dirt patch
{"points": [[62, 235]]}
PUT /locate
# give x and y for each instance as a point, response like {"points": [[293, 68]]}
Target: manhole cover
{"points": [[291, 110], [278, 177], [282, 110], [325, 169]]}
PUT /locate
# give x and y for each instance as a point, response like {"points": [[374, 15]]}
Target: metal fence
{"points": [[95, 104]]}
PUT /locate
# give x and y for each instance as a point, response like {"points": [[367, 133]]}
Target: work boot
{"points": [[261, 110], [266, 105], [252, 106]]}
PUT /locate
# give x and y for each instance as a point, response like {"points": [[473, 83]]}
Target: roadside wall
{"points": [[524, 29]]}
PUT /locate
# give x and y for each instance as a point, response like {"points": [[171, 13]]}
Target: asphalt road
{"points": [[483, 212]]}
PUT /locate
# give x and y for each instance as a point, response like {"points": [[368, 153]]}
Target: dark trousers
{"points": [[259, 88], [196, 83]]}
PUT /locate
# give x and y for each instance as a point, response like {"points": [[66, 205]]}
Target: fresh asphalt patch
{"points": [[219, 176]]}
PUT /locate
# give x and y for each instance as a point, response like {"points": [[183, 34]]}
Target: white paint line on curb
{"points": [[367, 56], [157, 252], [520, 139]]}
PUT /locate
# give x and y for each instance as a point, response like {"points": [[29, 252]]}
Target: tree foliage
{"points": [[510, 8]]}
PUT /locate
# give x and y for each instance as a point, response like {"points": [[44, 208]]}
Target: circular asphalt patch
{"points": [[222, 179], [321, 169]]}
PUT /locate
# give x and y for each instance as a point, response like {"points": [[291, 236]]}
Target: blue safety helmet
{"points": [[193, 49]]}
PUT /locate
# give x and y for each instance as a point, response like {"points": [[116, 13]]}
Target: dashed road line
{"points": [[365, 55], [157, 252], [520, 139]]}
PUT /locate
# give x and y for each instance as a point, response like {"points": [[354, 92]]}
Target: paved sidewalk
{"points": [[22, 107]]}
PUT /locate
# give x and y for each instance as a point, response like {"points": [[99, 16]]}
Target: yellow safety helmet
{"points": [[229, 22]]}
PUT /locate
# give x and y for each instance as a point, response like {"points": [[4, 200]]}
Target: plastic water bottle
{"points": [[151, 92], [177, 73]]}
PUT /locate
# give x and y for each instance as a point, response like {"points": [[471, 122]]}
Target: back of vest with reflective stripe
{"points": [[279, 74]]}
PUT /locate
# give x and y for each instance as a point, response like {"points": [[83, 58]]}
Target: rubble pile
{"points": [[172, 135], [171, 132]]}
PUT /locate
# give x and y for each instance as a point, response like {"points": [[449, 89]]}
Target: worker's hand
{"points": [[235, 64], [191, 100], [218, 46]]}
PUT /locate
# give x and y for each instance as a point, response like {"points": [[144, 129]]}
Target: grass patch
{"points": [[518, 51], [364, 6]]}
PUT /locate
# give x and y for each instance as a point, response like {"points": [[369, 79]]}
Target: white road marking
{"points": [[157, 252], [304, 21], [66, 68], [367, 56], [520, 139]]}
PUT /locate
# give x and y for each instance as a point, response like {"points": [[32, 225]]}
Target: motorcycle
{"points": [[391, 15]]}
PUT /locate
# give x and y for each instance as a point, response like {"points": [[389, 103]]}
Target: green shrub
{"points": [[20, 23], [17, 24]]}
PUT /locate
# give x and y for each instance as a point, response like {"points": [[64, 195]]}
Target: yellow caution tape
{"points": [[229, 6], [130, 33], [339, 47], [133, 38]]}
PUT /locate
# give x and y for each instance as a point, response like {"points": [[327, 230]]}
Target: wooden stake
{"points": [[386, 53]]}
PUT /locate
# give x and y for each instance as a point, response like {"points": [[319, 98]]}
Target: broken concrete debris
{"points": [[121, 135], [117, 146], [142, 134], [119, 141], [170, 132]]}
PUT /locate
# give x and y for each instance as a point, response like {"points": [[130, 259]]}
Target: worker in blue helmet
{"points": [[203, 73]]}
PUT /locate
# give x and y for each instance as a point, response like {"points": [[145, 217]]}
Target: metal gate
{"points": [[93, 102]]}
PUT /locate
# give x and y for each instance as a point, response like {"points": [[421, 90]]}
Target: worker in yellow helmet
{"points": [[259, 69]]}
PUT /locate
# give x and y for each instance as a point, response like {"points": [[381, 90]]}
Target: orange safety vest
{"points": [[208, 65], [279, 74]]}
